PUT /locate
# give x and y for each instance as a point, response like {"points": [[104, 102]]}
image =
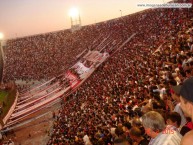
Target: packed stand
{"points": [[48, 55], [114, 106]]}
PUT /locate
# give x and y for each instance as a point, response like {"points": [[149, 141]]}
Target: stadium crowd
{"points": [[128, 94], [48, 55], [109, 107], [42, 57]]}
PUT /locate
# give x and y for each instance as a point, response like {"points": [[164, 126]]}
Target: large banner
{"points": [[74, 81], [94, 56], [80, 68]]}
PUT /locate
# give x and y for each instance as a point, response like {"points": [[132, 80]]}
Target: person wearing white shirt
{"points": [[160, 134]]}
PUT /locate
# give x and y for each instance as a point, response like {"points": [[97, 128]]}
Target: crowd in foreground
{"points": [[133, 98]]}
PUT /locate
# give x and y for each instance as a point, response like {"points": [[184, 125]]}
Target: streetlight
{"points": [[121, 12], [1, 35]]}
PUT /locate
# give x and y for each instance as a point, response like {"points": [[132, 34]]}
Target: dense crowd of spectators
{"points": [[47, 55], [138, 78], [42, 57]]}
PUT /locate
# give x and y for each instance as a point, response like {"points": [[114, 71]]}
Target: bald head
{"points": [[187, 139]]}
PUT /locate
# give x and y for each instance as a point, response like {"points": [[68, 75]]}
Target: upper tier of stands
{"points": [[48, 55]]}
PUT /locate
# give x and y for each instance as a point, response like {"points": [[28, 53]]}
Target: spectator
{"points": [[186, 98], [174, 119], [121, 141], [176, 105], [187, 127], [137, 137], [154, 125]]}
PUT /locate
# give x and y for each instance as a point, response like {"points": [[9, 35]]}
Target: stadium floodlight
{"points": [[75, 19], [1, 36], [73, 12]]}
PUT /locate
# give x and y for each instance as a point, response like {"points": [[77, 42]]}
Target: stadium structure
{"points": [[99, 74]]}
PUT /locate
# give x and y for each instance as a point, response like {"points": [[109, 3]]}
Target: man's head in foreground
{"points": [[186, 99], [186, 96]]}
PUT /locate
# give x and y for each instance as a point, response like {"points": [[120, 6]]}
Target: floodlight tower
{"points": [[1, 58], [75, 19]]}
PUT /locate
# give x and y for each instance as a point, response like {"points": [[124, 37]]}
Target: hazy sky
{"points": [[28, 17]]}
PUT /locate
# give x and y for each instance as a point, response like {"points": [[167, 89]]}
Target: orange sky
{"points": [[27, 17]]}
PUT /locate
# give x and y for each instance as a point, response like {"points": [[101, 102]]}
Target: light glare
{"points": [[73, 12], [1, 35]]}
